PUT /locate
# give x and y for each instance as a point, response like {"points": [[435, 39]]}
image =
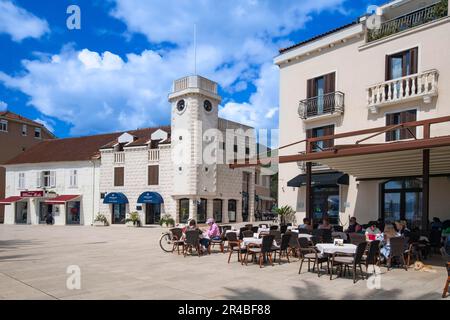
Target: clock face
{"points": [[207, 105], [181, 105]]}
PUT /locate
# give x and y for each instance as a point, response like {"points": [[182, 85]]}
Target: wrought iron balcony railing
{"points": [[327, 104], [408, 21]]}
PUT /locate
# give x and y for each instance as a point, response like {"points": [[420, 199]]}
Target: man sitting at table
{"points": [[354, 226], [372, 231], [306, 224]]}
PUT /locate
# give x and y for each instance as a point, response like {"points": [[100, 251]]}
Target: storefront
{"points": [[70, 204], [118, 203], [153, 202], [20, 204]]}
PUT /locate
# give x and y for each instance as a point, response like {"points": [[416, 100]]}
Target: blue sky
{"points": [[115, 73]]}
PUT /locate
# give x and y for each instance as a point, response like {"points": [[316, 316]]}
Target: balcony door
{"points": [[319, 96], [321, 132], [401, 65]]}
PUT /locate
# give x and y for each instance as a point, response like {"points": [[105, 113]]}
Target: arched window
{"points": [[232, 205], [183, 213], [402, 200], [217, 210]]}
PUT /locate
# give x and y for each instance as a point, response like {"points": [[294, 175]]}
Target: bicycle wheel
{"points": [[166, 242]]}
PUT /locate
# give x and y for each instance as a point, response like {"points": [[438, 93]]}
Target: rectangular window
{"points": [[37, 133], [48, 179], [402, 64], [4, 125], [21, 183], [73, 178], [321, 132], [399, 118], [24, 129], [119, 176], [153, 175]]}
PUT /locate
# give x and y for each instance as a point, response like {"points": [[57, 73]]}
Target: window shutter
{"points": [[52, 178], [153, 175], [310, 88], [330, 82], [389, 122], [38, 179], [119, 176], [413, 55], [408, 116], [328, 131]]}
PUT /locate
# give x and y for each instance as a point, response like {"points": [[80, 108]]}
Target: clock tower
{"points": [[194, 139]]}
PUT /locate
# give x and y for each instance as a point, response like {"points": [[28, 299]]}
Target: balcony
{"points": [[119, 157], [409, 21], [326, 106], [422, 85], [153, 155]]}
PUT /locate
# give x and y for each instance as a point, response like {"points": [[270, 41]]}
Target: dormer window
{"points": [[37, 133], [4, 125]]}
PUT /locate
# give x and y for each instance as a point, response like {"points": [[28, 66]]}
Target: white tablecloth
{"points": [[235, 231], [263, 230], [305, 235], [247, 241], [341, 235], [331, 248]]}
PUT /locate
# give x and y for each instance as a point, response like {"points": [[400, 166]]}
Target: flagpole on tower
{"points": [[195, 49]]}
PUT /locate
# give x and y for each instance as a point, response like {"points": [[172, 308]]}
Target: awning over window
{"points": [[115, 198], [62, 199], [320, 179], [10, 200], [150, 197]]}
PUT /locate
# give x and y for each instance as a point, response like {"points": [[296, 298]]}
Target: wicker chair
{"points": [[274, 227], [294, 246], [241, 234], [444, 294], [277, 236], [356, 238], [304, 231], [192, 241], [397, 251], [263, 225], [178, 242], [219, 242], [284, 247], [255, 229], [283, 229], [373, 255], [265, 250], [249, 226], [310, 254], [347, 261], [247, 234], [235, 245]]}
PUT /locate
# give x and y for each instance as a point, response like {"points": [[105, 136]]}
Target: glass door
{"points": [[118, 216], [325, 203], [73, 212], [413, 208], [217, 210], [201, 211], [152, 213], [392, 206], [320, 87], [21, 212]]}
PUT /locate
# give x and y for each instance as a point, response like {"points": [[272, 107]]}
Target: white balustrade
{"points": [[119, 157], [421, 85], [153, 155]]}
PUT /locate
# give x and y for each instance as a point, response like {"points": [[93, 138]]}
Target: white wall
{"points": [[86, 187]]}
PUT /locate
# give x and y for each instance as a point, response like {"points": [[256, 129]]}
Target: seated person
{"points": [[385, 237], [354, 226], [204, 242], [436, 224], [372, 231], [325, 224], [213, 231], [306, 224], [402, 229]]}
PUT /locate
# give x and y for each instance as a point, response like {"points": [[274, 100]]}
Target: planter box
{"points": [[99, 224]]}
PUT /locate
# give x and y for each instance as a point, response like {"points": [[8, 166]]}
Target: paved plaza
{"points": [[120, 262]]}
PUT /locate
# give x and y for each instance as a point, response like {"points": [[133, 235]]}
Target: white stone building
{"points": [[180, 170]]}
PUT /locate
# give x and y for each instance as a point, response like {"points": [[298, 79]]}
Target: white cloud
{"points": [[19, 23], [3, 105], [102, 92], [46, 123]]}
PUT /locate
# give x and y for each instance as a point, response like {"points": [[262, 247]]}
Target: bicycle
{"points": [[167, 240]]}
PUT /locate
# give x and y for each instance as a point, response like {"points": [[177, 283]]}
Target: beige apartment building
{"points": [[360, 85], [17, 134]]}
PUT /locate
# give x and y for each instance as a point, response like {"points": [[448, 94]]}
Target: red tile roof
{"points": [[11, 116], [78, 149]]}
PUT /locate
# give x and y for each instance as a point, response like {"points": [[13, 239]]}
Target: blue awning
{"points": [[115, 198], [150, 197]]}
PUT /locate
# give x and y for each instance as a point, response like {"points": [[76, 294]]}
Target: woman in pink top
{"points": [[213, 231]]}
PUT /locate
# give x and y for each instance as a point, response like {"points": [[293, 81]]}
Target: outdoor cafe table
{"points": [[330, 248], [303, 235]]}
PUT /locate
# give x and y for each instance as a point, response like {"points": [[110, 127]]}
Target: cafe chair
{"points": [[264, 251], [310, 254], [444, 294], [345, 262], [192, 241], [235, 245]]}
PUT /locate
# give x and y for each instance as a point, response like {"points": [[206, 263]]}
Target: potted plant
{"points": [[167, 221], [134, 220], [286, 215], [100, 220]]}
